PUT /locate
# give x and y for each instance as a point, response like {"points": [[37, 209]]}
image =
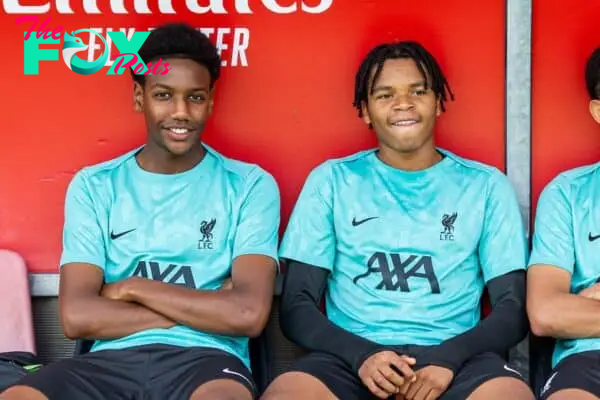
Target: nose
{"points": [[180, 109], [404, 101]]}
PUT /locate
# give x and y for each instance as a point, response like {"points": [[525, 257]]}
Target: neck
{"points": [[418, 160], [158, 160]]}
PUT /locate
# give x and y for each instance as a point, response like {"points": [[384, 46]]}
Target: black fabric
{"points": [[150, 372], [303, 323], [13, 367], [503, 328], [346, 385], [579, 371]]}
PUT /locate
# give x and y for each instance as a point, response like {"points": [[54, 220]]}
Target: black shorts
{"points": [[346, 385], [579, 371], [152, 372]]}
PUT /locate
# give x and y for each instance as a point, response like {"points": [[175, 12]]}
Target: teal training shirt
{"points": [[409, 252], [566, 233], [183, 229]]}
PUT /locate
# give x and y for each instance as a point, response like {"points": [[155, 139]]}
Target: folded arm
{"points": [[554, 311], [303, 323], [85, 314], [242, 310]]}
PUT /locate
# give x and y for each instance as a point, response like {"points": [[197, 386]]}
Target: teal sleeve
{"points": [[553, 242], [310, 235], [83, 241], [503, 245], [257, 230]]}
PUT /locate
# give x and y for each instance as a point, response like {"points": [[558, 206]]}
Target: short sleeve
{"points": [[503, 245], [553, 242], [83, 241], [310, 235], [257, 230]]}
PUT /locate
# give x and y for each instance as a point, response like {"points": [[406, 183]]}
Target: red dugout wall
{"points": [[285, 104], [564, 135]]}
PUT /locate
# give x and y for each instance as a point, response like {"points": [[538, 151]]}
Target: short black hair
{"points": [[180, 40], [592, 75], [426, 63]]}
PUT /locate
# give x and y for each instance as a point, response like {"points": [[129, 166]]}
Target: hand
{"points": [[593, 292], [227, 284], [385, 372], [120, 290], [431, 382]]}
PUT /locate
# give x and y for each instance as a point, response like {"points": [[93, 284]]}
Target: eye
{"points": [[383, 96], [420, 92], [161, 95], [198, 98]]}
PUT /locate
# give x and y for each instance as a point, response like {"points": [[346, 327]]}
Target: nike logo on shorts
{"points": [[230, 372], [506, 367]]}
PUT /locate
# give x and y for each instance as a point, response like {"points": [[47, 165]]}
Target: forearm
{"points": [[303, 323], [567, 316], [227, 312], [502, 329], [101, 318]]}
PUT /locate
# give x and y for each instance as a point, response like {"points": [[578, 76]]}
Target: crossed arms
{"points": [[90, 310]]}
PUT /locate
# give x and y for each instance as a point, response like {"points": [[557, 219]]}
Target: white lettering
{"points": [[321, 8], [63, 7], [242, 7], [109, 62], [92, 45], [220, 45], [241, 39], [118, 7], [215, 6], [90, 7], [14, 7], [277, 9], [165, 7], [207, 31], [141, 7]]}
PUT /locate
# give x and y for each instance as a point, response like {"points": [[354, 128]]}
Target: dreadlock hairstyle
{"points": [[428, 66], [179, 40], [592, 75]]}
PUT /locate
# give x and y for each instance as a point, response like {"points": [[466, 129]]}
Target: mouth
{"points": [[404, 123], [178, 134]]}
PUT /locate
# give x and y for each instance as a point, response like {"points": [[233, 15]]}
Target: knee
{"points": [[22, 393], [503, 388], [222, 391], [297, 386], [572, 394]]}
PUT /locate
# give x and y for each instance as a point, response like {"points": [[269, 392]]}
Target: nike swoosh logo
{"points": [[592, 238], [506, 367], [357, 223], [114, 236], [228, 371]]}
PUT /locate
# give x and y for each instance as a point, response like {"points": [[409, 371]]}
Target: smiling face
{"points": [[401, 108], [176, 106]]}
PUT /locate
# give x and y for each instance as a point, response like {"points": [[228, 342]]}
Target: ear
{"points": [[438, 108], [138, 97], [365, 114], [595, 110]]}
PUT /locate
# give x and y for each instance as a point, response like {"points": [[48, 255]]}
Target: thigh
{"points": [[477, 371], [176, 373], [334, 379], [579, 371], [113, 374]]}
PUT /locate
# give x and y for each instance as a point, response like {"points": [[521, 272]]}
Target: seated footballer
{"points": [[169, 251]]}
